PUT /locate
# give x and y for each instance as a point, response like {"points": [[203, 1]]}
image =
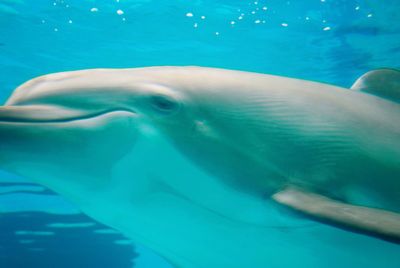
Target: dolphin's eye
{"points": [[164, 104]]}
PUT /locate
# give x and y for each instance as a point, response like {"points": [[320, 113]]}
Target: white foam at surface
{"points": [[71, 225], [36, 233]]}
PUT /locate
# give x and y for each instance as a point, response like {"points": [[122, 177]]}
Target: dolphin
{"points": [[200, 164]]}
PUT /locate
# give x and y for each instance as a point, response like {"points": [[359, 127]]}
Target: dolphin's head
{"points": [[83, 122], [74, 123]]}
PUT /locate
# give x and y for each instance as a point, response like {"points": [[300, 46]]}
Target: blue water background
{"points": [[328, 41]]}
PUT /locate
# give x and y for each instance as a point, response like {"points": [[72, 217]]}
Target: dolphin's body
{"points": [[225, 146]]}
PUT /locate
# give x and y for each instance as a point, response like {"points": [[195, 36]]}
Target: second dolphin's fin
{"points": [[376, 222], [384, 83]]}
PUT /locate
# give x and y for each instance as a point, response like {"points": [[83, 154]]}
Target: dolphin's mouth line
{"points": [[9, 118]]}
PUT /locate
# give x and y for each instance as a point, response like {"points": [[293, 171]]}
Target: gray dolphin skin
{"points": [[199, 164]]}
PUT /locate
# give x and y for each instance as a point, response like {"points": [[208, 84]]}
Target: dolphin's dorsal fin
{"points": [[384, 83], [376, 222]]}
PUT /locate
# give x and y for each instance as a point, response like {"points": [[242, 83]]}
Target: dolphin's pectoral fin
{"points": [[382, 82], [371, 221]]}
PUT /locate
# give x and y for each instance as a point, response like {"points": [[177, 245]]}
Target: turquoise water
{"points": [[329, 41]]}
